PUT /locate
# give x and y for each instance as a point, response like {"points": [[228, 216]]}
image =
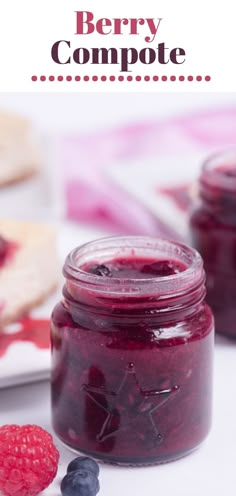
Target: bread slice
{"points": [[29, 272], [19, 151]]}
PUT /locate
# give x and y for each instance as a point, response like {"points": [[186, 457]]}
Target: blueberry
{"points": [[80, 483], [83, 463], [100, 270]]}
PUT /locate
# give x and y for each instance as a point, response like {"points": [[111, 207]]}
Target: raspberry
{"points": [[28, 460]]}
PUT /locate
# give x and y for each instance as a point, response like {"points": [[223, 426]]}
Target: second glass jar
{"points": [[213, 234]]}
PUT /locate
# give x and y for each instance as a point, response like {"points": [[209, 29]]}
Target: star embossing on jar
{"points": [[129, 407]]}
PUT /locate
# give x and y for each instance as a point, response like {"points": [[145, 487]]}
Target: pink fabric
{"points": [[90, 194]]}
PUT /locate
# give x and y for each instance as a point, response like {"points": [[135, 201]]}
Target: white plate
{"points": [[24, 362]]}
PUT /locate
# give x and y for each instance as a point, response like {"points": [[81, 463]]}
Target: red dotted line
{"points": [[120, 78]]}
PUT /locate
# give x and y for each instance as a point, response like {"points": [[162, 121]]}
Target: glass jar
{"points": [[213, 234], [132, 357]]}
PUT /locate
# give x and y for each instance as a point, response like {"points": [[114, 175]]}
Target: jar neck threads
{"points": [[218, 184], [144, 297]]}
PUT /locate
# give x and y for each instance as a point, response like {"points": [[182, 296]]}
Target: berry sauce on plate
{"points": [[7, 250], [31, 330]]}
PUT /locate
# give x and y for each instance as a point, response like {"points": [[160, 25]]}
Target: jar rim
{"points": [[179, 283], [213, 174]]}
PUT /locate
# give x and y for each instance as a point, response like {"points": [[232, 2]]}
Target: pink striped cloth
{"points": [[90, 194]]}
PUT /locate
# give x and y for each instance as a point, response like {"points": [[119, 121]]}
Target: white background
{"points": [[91, 111], [206, 30]]}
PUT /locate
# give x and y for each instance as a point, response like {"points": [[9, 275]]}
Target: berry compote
{"points": [[6, 249], [132, 345], [213, 234]]}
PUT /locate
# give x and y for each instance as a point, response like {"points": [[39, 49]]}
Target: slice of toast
{"points": [[19, 151], [28, 269]]}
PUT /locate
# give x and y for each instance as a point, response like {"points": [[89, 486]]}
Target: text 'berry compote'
{"points": [[132, 345], [213, 233]]}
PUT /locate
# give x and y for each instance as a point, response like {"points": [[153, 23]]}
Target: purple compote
{"points": [[213, 233], [4, 251], [132, 345]]}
